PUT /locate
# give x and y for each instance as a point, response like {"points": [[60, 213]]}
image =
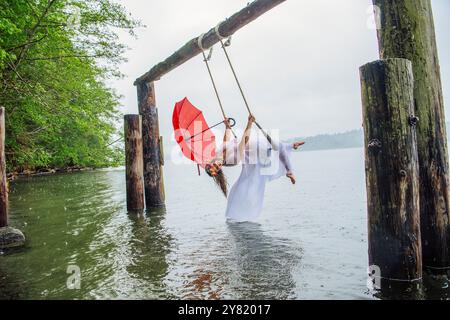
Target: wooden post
{"points": [[391, 169], [153, 172], [134, 162], [9, 237], [3, 181], [406, 30]]}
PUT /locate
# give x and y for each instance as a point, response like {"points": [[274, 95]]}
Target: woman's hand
{"points": [[227, 123], [251, 120]]}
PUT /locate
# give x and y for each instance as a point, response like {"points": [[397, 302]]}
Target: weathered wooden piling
{"points": [[9, 237], [392, 173], [407, 31], [153, 171], [3, 180], [134, 162]]}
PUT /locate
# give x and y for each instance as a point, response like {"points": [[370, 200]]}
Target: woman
{"points": [[261, 162]]}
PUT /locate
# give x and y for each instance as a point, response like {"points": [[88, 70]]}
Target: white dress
{"points": [[260, 164]]}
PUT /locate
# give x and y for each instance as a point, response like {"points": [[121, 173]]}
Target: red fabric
{"points": [[188, 121]]}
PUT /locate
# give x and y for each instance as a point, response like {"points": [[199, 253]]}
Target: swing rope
{"points": [[206, 60], [224, 45]]}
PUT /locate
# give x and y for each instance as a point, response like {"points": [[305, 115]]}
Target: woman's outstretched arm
{"points": [[246, 136], [227, 135], [226, 139]]}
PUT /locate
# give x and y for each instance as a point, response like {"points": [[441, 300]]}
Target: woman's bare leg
{"points": [[287, 164], [291, 176], [284, 158]]}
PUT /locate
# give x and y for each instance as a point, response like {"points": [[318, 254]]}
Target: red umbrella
{"points": [[193, 134]]}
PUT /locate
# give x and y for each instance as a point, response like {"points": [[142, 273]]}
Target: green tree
{"points": [[55, 59]]}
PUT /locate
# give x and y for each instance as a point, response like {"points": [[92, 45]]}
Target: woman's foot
{"points": [[291, 176], [297, 145]]}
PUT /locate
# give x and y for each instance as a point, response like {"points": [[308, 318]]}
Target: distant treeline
{"points": [[56, 57], [345, 140], [349, 139]]}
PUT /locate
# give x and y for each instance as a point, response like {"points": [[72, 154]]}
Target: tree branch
{"points": [[27, 43], [65, 57], [33, 32]]}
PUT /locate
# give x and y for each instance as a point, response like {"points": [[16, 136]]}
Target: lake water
{"points": [[310, 243]]}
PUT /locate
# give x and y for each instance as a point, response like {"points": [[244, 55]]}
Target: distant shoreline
{"points": [[344, 140], [45, 172], [327, 149], [353, 139]]}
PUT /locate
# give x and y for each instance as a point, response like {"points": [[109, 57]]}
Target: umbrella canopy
{"points": [[192, 133]]}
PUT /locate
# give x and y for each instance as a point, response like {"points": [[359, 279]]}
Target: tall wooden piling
{"points": [[153, 172], [9, 237], [392, 171], [3, 181], [406, 30], [134, 162]]}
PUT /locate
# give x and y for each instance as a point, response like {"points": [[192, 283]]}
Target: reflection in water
{"points": [[62, 217], [242, 262], [202, 285], [395, 290], [149, 246], [81, 220], [436, 287], [264, 264], [10, 286], [432, 288]]}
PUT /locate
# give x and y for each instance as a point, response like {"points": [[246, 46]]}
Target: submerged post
{"points": [[406, 30], [391, 170], [153, 172], [9, 237], [134, 162], [3, 180]]}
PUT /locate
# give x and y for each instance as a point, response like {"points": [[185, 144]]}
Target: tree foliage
{"points": [[56, 57]]}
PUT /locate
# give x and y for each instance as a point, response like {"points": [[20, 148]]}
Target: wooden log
{"points": [[9, 237], [3, 180], [134, 162], [226, 29], [391, 169], [406, 30], [153, 172]]}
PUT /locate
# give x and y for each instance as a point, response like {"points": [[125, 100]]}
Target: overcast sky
{"points": [[298, 63]]}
